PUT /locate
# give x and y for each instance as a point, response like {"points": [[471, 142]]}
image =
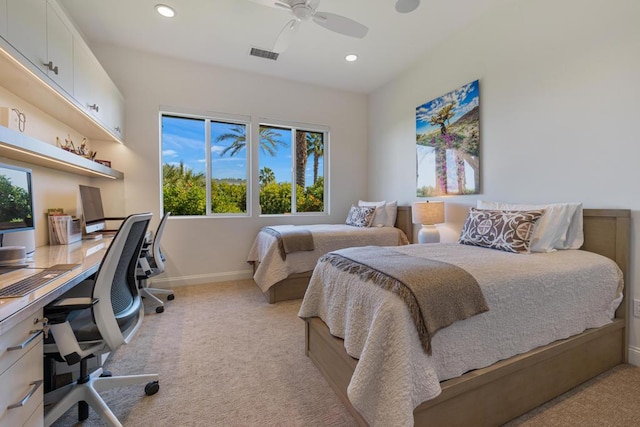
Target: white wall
{"points": [[51, 188], [212, 249], [559, 90]]}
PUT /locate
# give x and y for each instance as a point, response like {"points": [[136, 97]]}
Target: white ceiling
{"points": [[222, 32]]}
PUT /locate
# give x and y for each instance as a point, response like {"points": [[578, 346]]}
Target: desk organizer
{"points": [[64, 229]]}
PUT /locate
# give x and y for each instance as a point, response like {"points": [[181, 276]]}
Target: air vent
{"points": [[267, 54]]}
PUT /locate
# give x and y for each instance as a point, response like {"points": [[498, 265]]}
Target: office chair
{"points": [[95, 317], [151, 264]]}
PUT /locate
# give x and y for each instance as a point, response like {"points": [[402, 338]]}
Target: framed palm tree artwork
{"points": [[448, 143]]}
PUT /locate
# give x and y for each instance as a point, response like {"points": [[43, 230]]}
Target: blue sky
{"points": [[183, 140], [466, 98]]}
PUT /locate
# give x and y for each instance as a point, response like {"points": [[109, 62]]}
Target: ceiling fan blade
{"points": [[406, 6], [285, 4], [286, 36], [340, 24]]}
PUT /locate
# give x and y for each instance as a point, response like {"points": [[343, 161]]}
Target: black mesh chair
{"points": [[151, 264], [96, 317]]}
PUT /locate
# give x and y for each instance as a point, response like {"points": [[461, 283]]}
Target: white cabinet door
{"points": [[95, 91], [114, 108], [3, 19], [27, 29], [85, 78], [59, 51]]}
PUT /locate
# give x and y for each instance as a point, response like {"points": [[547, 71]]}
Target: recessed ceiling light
{"points": [[165, 10], [351, 57]]}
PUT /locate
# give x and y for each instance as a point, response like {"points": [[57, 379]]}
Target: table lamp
{"points": [[428, 214]]}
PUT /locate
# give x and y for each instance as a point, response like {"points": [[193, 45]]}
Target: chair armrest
{"points": [[58, 310]]}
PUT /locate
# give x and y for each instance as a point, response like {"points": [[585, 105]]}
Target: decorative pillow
{"points": [[360, 216], [392, 210], [509, 231], [559, 228], [380, 217]]}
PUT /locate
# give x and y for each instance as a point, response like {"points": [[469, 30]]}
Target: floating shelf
{"points": [[21, 147]]}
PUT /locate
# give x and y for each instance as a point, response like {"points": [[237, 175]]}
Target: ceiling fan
{"points": [[305, 10]]}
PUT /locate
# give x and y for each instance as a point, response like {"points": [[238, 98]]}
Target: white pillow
{"points": [[392, 212], [559, 228], [575, 233], [380, 217]]}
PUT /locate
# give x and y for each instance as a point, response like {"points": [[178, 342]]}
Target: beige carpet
{"points": [[228, 358]]}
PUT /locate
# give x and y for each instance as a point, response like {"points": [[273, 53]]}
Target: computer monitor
{"points": [[16, 199], [16, 210], [92, 211]]}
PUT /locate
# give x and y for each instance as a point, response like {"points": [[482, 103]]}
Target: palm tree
{"points": [[301, 157], [266, 176], [315, 148], [269, 140]]}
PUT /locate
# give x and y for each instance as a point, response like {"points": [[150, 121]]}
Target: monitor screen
{"points": [[92, 211], [16, 199]]}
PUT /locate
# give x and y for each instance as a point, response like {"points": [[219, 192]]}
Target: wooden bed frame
{"points": [[294, 286], [507, 389]]}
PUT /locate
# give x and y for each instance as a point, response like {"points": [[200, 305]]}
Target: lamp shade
{"points": [[427, 213]]}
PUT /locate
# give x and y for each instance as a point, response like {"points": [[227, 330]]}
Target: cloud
{"points": [[169, 153]]}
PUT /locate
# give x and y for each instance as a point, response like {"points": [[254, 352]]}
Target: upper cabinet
{"points": [[95, 91], [40, 49]]}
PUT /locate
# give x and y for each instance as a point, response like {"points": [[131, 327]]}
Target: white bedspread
{"points": [[326, 238], [533, 300]]}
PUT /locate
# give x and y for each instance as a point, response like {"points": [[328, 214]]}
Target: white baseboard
{"points": [[200, 279], [634, 355]]}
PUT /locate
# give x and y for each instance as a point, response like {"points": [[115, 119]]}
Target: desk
{"points": [[21, 317]]}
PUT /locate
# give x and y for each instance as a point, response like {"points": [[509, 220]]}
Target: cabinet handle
{"points": [[25, 399], [50, 66], [94, 107], [26, 342]]}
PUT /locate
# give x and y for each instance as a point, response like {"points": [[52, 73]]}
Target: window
{"points": [[205, 166], [291, 155], [194, 183]]}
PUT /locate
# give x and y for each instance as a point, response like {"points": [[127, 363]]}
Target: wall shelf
{"points": [[21, 147]]}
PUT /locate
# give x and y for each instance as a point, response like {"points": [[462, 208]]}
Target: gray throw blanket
{"points": [[291, 239], [436, 293]]}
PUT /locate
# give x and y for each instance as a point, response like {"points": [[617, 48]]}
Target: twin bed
{"points": [[285, 277], [554, 321]]}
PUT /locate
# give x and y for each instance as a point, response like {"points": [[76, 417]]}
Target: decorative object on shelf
{"points": [[448, 143], [106, 163], [13, 118], [82, 150], [428, 214], [22, 119]]}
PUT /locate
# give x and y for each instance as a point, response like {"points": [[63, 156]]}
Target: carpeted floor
{"points": [[228, 358]]}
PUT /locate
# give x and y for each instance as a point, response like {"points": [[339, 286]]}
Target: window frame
{"points": [[208, 118], [294, 126], [252, 127]]}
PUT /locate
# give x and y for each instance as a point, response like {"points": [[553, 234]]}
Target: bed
{"points": [[287, 279], [490, 395]]}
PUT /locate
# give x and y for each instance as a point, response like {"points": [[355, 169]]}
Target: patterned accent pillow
{"points": [[360, 216], [509, 231]]}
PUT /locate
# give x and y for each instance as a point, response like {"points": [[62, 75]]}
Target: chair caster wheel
{"points": [[159, 309], [171, 297], [151, 388], [105, 374]]}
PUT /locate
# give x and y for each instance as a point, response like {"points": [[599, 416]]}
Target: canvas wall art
{"points": [[448, 143]]}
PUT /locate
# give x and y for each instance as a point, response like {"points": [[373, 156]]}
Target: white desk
{"points": [[21, 372]]}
